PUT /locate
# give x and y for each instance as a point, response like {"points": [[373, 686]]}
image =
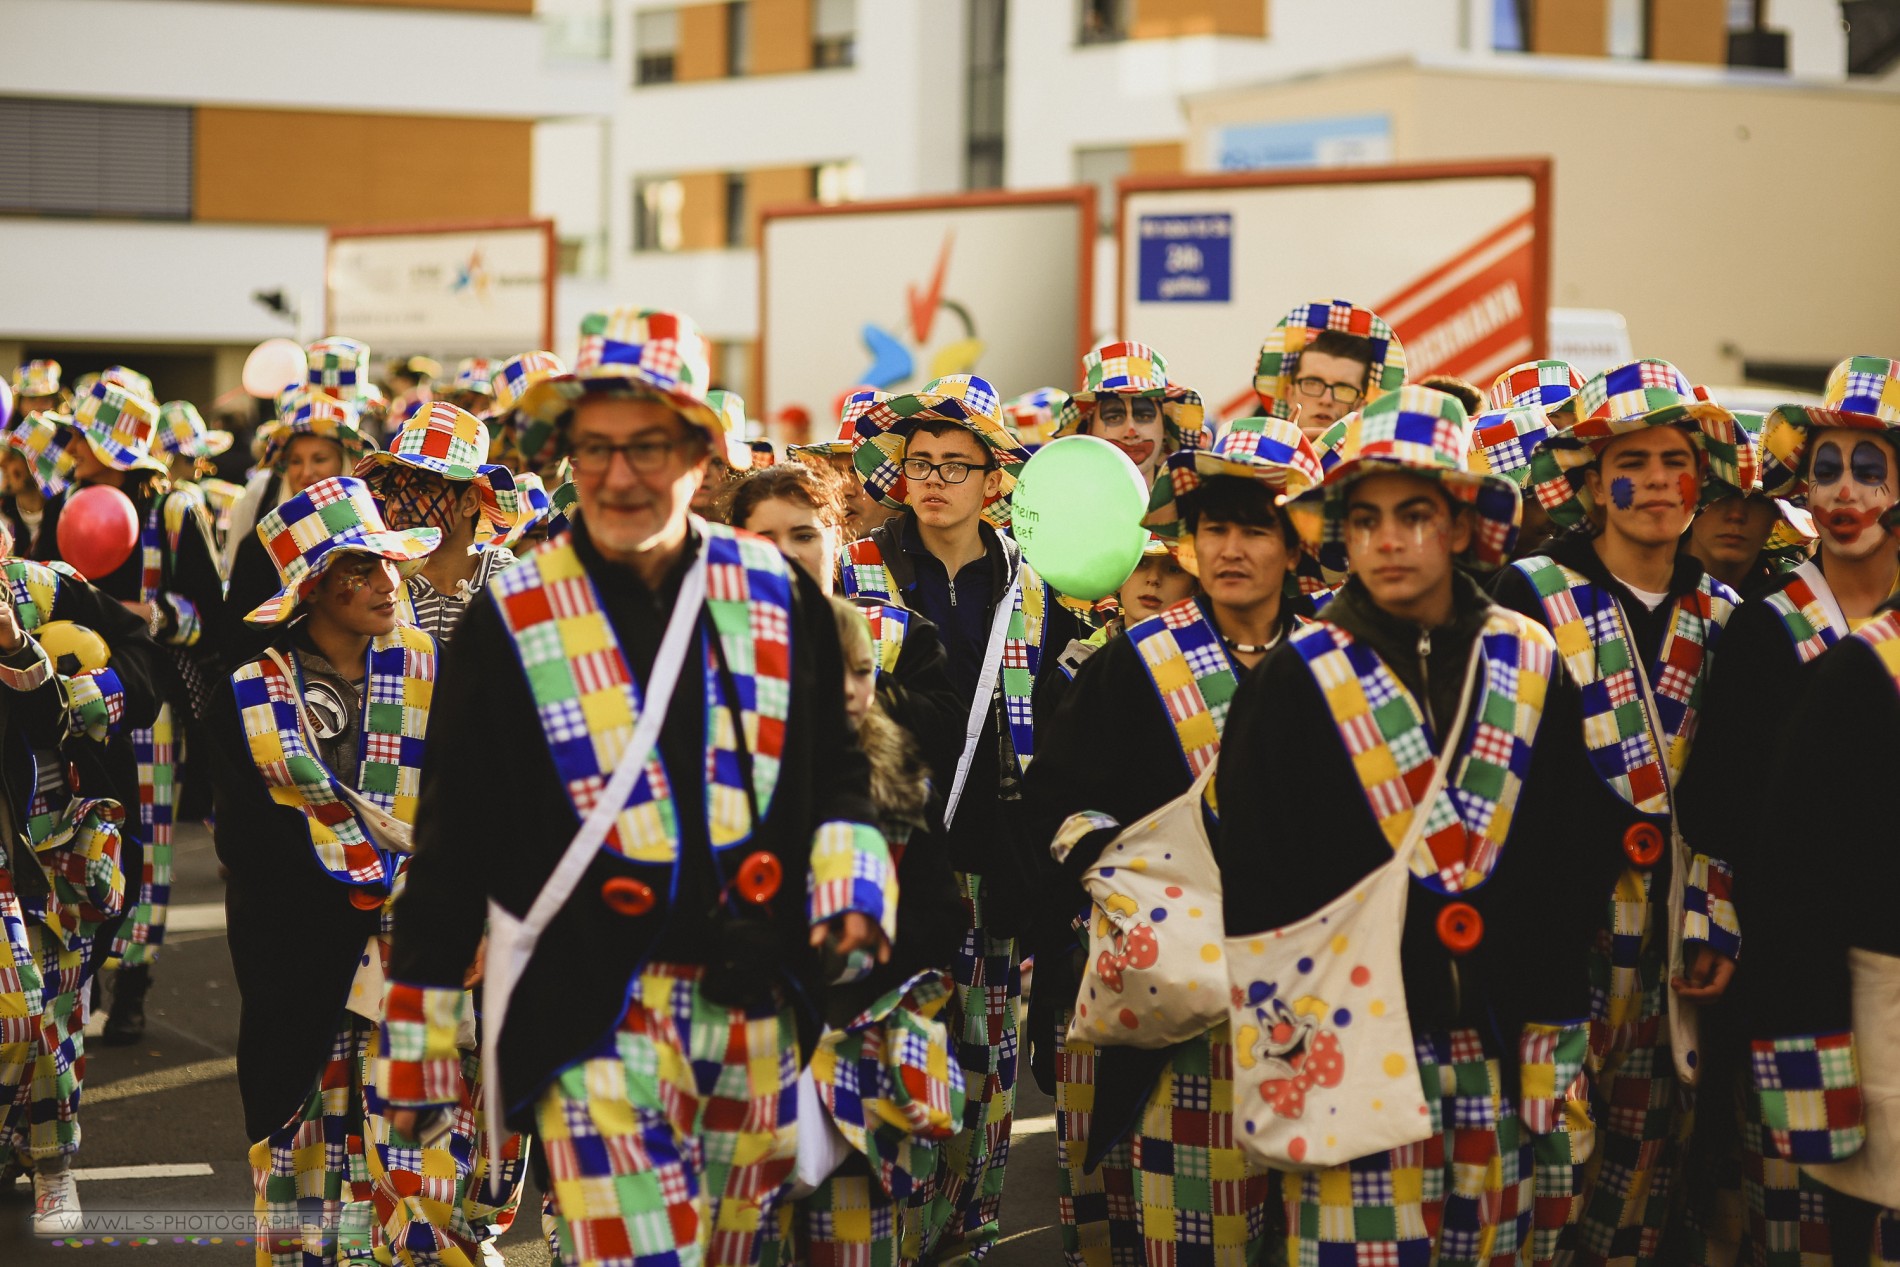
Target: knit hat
{"points": [[884, 423], [1412, 431], [1863, 394], [643, 353], [1134, 369], [305, 534], [118, 425], [1626, 399], [1280, 354], [1542, 385], [452, 443], [182, 432]]}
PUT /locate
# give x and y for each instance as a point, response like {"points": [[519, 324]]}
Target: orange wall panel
{"points": [[774, 187], [702, 52], [1689, 31], [1168, 19], [781, 36], [703, 211], [309, 167], [1574, 28], [1161, 159]]}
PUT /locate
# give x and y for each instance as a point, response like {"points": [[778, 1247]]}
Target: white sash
{"points": [[511, 941], [985, 694]]}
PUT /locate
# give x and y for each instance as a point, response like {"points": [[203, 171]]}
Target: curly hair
{"points": [[899, 779], [808, 485]]}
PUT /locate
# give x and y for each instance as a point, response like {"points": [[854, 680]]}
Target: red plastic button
{"points": [[366, 899], [627, 896], [759, 878], [1643, 844], [1460, 927]]}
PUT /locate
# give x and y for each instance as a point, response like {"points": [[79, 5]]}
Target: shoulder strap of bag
{"points": [[1441, 769], [985, 688]]}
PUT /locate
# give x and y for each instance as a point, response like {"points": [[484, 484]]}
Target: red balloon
{"points": [[97, 530]]}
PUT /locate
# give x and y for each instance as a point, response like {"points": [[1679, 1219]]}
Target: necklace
{"points": [[1251, 648]]}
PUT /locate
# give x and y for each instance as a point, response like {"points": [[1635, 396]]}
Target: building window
{"points": [[1629, 29], [834, 34], [983, 132], [1101, 21], [656, 45], [737, 224], [657, 202], [738, 38], [833, 183], [1102, 168], [1511, 26], [96, 159]]}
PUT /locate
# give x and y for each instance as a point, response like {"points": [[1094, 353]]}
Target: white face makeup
{"points": [[1851, 487]]}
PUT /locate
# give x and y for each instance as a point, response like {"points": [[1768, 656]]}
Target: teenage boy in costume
{"points": [[652, 1037], [1843, 459], [943, 456], [171, 579], [80, 673], [1324, 361], [1329, 741], [1638, 624], [1146, 1137], [319, 742], [435, 474]]}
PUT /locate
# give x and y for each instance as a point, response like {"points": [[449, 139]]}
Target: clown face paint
{"points": [[1851, 485], [1623, 492], [1690, 487]]}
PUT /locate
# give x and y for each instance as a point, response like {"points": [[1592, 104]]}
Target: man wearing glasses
{"points": [[436, 475], [942, 455], [1326, 360]]}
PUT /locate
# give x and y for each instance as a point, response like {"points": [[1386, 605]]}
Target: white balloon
{"points": [[272, 366]]}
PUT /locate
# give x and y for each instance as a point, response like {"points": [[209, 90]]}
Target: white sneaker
{"points": [[55, 1204]]}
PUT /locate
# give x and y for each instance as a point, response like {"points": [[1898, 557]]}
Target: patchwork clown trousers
{"points": [[41, 1074], [1461, 1197], [849, 1221], [1178, 1188], [336, 1185], [961, 1215], [156, 754], [668, 1144], [1641, 1109]]}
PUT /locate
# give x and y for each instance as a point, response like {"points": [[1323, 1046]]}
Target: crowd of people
{"points": [[719, 835]]}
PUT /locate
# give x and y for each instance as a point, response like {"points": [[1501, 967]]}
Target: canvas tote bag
{"points": [[1156, 974], [1873, 1174]]}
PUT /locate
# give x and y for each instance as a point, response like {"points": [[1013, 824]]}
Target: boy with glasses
{"points": [[943, 456], [1325, 360]]}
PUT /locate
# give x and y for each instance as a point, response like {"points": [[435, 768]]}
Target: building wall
{"points": [[1712, 245]]}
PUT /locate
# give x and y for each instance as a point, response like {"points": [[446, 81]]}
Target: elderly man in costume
{"points": [[1326, 360], [80, 672], [172, 580], [320, 742], [663, 887], [435, 474], [1151, 1169], [1638, 624], [942, 455], [1429, 738], [1843, 459]]}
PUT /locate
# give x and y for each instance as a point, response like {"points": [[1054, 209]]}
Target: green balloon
{"points": [[1077, 513]]}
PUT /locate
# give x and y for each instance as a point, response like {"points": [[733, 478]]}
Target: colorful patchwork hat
{"points": [[1503, 439], [451, 442], [1792, 539], [182, 431], [474, 375], [41, 438], [730, 407], [339, 367], [1544, 385], [1035, 418], [333, 517], [1280, 354], [638, 352], [1863, 393], [36, 378], [845, 442], [1629, 398], [1271, 450], [512, 381], [129, 379], [535, 508], [119, 426], [1135, 369], [1412, 431], [310, 411], [883, 425]]}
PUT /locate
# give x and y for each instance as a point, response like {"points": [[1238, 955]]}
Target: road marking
{"points": [[181, 1170], [1044, 1125], [196, 917], [164, 1080]]}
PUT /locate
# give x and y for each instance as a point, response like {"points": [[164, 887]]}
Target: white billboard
{"points": [[1455, 257], [891, 295], [449, 290]]}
